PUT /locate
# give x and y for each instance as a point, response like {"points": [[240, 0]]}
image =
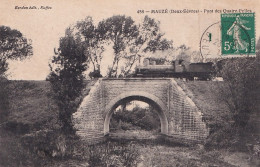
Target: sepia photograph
{"points": [[130, 83]]}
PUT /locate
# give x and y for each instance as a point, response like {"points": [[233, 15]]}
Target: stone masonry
{"points": [[179, 116]]}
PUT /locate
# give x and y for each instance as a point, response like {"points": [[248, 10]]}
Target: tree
{"points": [[91, 40], [66, 77], [13, 46], [149, 39], [242, 81], [128, 40], [120, 31]]}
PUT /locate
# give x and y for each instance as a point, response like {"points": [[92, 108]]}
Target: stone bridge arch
{"points": [[180, 118], [142, 96]]}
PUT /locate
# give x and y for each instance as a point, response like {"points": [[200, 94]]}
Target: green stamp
{"points": [[238, 34]]}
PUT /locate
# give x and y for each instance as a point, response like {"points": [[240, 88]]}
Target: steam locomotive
{"points": [[178, 69]]}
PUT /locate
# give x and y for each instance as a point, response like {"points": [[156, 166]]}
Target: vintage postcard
{"points": [[130, 83]]}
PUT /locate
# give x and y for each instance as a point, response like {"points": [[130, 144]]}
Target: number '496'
{"points": [[140, 11]]}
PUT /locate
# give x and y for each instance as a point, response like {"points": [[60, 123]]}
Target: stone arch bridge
{"points": [[180, 118]]}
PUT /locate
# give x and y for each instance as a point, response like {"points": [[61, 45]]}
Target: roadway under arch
{"points": [[140, 96]]}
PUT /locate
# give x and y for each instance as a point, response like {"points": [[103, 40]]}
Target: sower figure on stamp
{"points": [[235, 30]]}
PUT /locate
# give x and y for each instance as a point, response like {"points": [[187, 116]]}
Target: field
{"points": [[30, 135]]}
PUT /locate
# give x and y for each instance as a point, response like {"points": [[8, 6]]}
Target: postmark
{"points": [[238, 33], [210, 42], [228, 38]]}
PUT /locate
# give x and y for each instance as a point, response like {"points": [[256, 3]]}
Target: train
{"points": [[177, 69]]}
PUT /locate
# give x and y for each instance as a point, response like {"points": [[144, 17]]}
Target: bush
{"points": [[241, 82], [241, 78], [144, 118], [14, 153], [50, 143], [113, 154], [66, 78]]}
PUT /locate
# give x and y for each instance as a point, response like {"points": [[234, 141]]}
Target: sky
{"points": [[46, 26]]}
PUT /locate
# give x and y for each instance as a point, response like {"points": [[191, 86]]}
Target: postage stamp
{"points": [[238, 33]]}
